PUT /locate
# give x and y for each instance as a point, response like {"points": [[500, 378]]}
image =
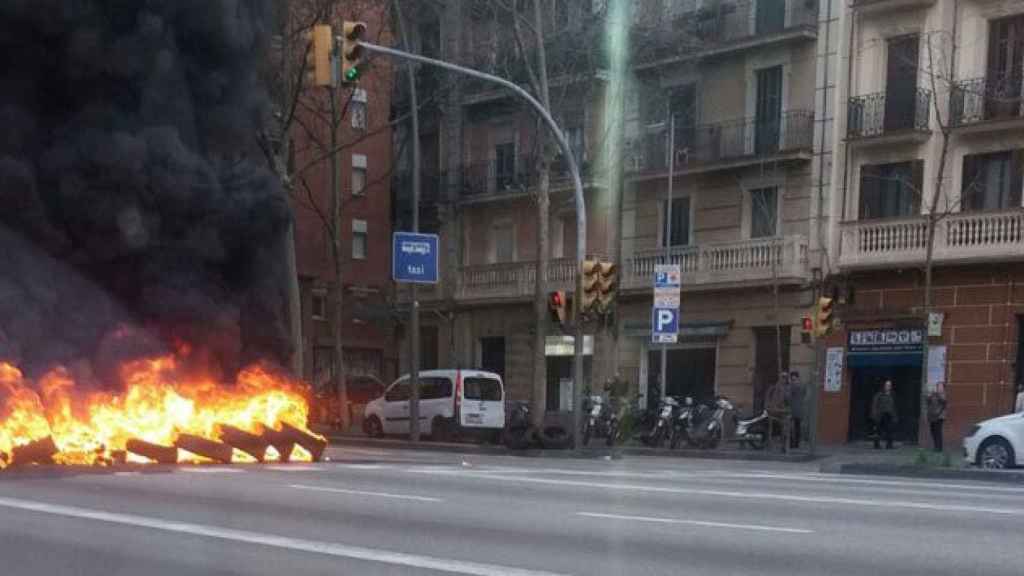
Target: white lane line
{"points": [[202, 470], [875, 503], [302, 545], [292, 468], [757, 527], [836, 479], [362, 466], [127, 473], [364, 493]]}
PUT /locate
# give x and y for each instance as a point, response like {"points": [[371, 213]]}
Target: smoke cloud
{"points": [[132, 193]]}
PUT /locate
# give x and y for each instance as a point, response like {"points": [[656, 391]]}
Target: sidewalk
{"points": [[910, 461]]}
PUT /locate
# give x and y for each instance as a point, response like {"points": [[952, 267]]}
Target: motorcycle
{"points": [[752, 431], [707, 429], [602, 421], [662, 428], [682, 423], [517, 431]]}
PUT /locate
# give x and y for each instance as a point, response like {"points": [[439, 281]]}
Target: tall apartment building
{"points": [[739, 77], [912, 71]]}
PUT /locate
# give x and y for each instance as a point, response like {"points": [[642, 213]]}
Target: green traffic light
{"points": [[352, 74]]}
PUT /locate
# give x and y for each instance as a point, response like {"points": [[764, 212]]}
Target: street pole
{"points": [[414, 308], [338, 290], [668, 234], [581, 212]]}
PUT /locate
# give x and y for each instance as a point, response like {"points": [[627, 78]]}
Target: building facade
{"points": [[934, 124], [363, 151]]}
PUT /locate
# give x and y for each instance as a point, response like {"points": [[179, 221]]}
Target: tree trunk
{"points": [[539, 396], [294, 303]]}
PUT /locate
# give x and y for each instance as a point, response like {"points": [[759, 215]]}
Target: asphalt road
{"points": [[392, 512]]}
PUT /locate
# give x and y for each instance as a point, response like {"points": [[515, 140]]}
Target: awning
{"points": [[642, 329], [880, 359]]}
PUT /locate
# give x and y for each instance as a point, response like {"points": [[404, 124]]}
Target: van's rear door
{"points": [[482, 401]]}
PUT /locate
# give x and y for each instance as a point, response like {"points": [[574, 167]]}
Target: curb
{"points": [[909, 471], [583, 453]]}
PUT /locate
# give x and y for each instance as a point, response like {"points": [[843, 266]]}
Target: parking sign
{"points": [[664, 325]]}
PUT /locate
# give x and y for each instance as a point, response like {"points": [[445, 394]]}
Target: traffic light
{"points": [[823, 317], [351, 51], [318, 56], [807, 325], [557, 306], [590, 286], [607, 287]]}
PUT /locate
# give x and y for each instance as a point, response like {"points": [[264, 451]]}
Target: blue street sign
{"points": [[414, 258], [664, 325]]}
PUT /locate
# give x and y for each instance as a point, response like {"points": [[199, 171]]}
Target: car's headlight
{"points": [[974, 430]]}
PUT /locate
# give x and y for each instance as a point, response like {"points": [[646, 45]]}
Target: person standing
{"points": [[937, 414], [797, 394], [1018, 406], [883, 412]]}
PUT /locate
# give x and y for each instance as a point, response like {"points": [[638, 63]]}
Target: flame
{"points": [[159, 402]]}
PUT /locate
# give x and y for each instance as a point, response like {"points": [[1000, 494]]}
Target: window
{"points": [[358, 174], [359, 240], [484, 389], [992, 181], [890, 190], [764, 212], [435, 388], [503, 242], [505, 165], [680, 222], [318, 304], [901, 83], [357, 109], [1005, 67], [399, 392]]}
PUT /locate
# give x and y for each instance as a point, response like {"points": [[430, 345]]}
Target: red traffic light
{"points": [[808, 324], [557, 299]]}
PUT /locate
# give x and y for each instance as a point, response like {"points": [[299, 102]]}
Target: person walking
{"points": [[797, 397], [1018, 406], [883, 412], [937, 414]]}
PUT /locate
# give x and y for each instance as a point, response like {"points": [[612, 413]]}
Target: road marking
{"points": [[364, 493], [203, 470], [757, 527], [292, 468], [362, 466], [127, 473], [744, 495], [867, 481], [314, 546]]}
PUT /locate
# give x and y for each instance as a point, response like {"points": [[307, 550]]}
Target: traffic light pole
{"points": [[581, 212]]}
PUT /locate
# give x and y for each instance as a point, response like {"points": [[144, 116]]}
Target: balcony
{"points": [[722, 27], [881, 6], [491, 180], [723, 145], [760, 260], [962, 237], [988, 104], [512, 280], [889, 118]]}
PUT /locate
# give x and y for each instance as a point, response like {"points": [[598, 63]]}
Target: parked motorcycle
{"points": [[682, 423], [602, 420], [662, 427], [707, 428], [517, 431], [752, 431]]}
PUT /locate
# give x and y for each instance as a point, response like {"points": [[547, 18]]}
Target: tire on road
{"points": [[996, 453], [372, 427]]}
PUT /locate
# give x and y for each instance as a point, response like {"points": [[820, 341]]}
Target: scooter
{"points": [[752, 431], [682, 423], [601, 421], [706, 431], [663, 425]]}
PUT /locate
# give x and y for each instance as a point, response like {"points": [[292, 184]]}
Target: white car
{"points": [[996, 443], [451, 402]]}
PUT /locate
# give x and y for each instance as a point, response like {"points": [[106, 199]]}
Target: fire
{"points": [[160, 402]]}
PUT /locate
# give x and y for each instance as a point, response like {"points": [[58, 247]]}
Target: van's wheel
{"points": [[996, 453], [372, 427]]}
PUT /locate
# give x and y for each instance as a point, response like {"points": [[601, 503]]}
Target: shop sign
{"points": [[885, 341]]}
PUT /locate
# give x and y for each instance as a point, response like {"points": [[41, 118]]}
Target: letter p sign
{"points": [[664, 325]]}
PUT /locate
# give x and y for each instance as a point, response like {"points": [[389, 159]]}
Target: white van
{"points": [[451, 401]]}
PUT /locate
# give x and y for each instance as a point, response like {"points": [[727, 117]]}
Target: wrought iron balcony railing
{"points": [[883, 113], [998, 97]]}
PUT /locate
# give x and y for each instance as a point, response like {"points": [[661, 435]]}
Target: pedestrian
{"points": [[1018, 406], [797, 397], [937, 414], [883, 412]]}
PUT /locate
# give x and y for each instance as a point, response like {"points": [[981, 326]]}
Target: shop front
{"points": [[875, 356]]}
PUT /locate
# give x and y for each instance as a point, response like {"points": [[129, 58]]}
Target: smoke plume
{"points": [[133, 197]]}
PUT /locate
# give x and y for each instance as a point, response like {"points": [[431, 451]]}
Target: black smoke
{"points": [[131, 190]]}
